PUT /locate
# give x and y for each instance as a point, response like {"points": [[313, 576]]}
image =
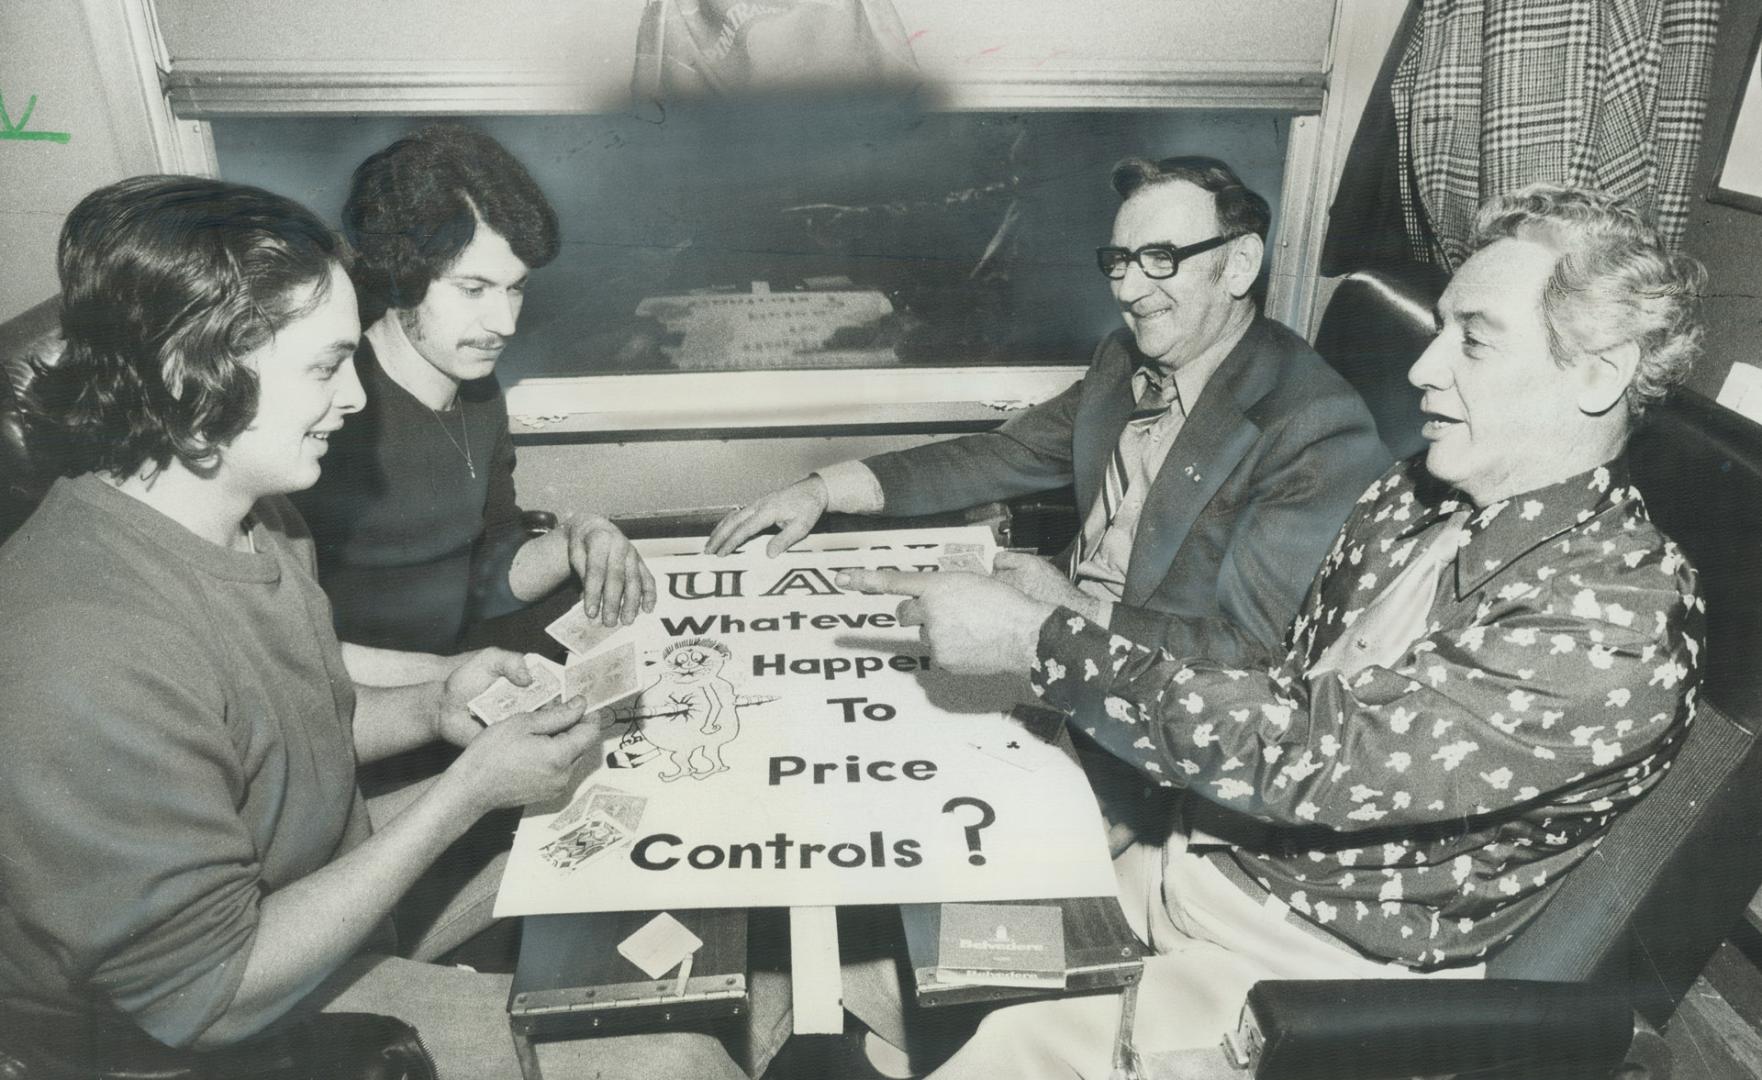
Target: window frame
{"points": [[188, 95]]}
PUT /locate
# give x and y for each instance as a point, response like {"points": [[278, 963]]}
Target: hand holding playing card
{"points": [[503, 698], [578, 633], [526, 758], [454, 723]]}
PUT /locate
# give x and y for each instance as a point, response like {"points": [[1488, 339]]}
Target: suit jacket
{"points": [[1259, 479]]}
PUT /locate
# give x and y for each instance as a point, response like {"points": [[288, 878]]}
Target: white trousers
{"points": [[1212, 942]]}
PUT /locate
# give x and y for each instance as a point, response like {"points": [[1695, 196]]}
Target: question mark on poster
{"points": [[986, 817]]}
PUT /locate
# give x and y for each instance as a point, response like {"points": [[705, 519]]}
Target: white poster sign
{"points": [[789, 744]]}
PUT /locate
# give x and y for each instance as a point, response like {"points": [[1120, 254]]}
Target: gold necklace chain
{"points": [[464, 448]]}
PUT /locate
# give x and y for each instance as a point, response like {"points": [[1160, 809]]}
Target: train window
{"points": [[830, 234], [840, 262]]}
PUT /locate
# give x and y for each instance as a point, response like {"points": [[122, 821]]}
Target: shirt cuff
{"points": [[1072, 667], [1076, 669], [852, 488], [1104, 613]]}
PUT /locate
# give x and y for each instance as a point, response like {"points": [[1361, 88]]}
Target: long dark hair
{"points": [[167, 282]]}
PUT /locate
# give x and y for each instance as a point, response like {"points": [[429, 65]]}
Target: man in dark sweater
{"points": [[417, 527]]}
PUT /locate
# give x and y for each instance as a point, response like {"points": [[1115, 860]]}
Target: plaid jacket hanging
{"points": [[1491, 95]]}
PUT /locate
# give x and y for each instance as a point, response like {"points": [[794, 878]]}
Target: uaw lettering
{"points": [[813, 581]]}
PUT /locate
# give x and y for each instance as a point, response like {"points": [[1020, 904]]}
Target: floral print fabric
{"points": [[1424, 811]]}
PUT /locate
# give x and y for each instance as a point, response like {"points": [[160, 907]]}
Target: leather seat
{"points": [[26, 341], [1375, 326]]}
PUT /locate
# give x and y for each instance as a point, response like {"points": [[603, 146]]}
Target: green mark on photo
{"points": [[10, 130]]}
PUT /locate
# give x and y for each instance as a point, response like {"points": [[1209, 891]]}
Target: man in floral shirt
{"points": [[1498, 656]]}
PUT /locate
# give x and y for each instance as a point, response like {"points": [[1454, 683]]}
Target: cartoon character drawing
{"points": [[690, 712]]}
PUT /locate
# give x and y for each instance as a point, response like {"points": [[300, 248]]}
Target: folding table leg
{"points": [[525, 1054], [816, 984]]}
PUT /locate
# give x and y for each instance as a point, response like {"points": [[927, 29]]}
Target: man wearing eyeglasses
{"points": [[1214, 454]]}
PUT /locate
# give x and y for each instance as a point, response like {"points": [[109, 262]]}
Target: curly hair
{"points": [[414, 207], [167, 283], [710, 644], [1613, 283], [1240, 210]]}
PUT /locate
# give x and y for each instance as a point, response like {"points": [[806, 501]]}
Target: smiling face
{"points": [[469, 312], [693, 659], [690, 662], [1501, 416], [306, 385], [1176, 319]]}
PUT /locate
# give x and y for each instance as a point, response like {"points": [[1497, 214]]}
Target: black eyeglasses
{"points": [[1158, 261]]}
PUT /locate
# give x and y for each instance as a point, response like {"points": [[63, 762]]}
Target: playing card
{"points": [[624, 808], [661, 942], [602, 678], [503, 699], [592, 840], [578, 633], [963, 549], [621, 806], [968, 562]]}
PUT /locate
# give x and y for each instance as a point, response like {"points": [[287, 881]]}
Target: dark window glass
{"points": [[801, 236]]}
